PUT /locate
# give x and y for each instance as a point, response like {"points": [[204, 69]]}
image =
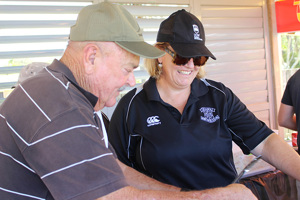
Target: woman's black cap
{"points": [[185, 33]]}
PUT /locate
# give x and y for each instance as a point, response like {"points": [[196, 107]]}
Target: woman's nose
{"points": [[190, 63]]}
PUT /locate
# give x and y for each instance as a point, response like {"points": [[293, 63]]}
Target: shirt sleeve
{"points": [[286, 98], [247, 130]]}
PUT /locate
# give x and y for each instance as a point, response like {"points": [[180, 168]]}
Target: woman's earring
{"points": [[160, 65]]}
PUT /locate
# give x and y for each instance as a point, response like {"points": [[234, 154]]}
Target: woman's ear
{"points": [[90, 51]]}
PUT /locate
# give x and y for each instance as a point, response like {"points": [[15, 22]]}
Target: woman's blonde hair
{"points": [[154, 70]]}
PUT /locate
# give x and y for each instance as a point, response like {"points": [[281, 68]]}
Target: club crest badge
{"points": [[209, 115]]}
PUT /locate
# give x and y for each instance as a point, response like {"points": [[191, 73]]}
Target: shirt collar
{"points": [[199, 88], [151, 90], [59, 67]]}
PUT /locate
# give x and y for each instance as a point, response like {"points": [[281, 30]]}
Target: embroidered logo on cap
{"points": [[196, 32], [208, 114], [154, 120]]}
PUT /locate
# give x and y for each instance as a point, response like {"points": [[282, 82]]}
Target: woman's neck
{"points": [[177, 97]]}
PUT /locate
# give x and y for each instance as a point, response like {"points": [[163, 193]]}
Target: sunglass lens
{"points": [[199, 61], [178, 60]]}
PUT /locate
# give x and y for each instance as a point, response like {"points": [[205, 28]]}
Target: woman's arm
{"points": [[280, 154]]}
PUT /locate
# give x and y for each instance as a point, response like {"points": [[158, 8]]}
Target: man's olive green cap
{"points": [[111, 22]]}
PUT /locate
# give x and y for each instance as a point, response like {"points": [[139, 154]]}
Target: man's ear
{"points": [[90, 51]]}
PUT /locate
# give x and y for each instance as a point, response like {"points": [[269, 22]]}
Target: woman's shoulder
{"points": [[213, 83], [130, 95]]}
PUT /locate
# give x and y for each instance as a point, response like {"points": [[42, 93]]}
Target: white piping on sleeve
{"points": [[141, 153], [208, 84], [138, 89], [239, 138]]}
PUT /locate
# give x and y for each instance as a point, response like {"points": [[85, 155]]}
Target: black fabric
{"points": [[105, 120], [185, 33], [291, 97]]}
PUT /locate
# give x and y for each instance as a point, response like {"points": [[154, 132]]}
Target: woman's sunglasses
{"points": [[179, 60]]}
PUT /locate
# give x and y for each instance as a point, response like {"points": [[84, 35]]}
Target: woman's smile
{"points": [[184, 72]]}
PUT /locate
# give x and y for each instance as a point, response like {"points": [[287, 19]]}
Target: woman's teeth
{"points": [[185, 72]]}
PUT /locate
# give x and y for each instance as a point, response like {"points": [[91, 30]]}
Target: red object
{"points": [[294, 139], [287, 15]]}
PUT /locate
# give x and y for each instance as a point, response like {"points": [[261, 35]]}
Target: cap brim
{"points": [[141, 49], [192, 50]]}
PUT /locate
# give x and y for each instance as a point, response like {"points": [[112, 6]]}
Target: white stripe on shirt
{"points": [[75, 164], [5, 154], [35, 103], [65, 86], [62, 131], [22, 194], [49, 136]]}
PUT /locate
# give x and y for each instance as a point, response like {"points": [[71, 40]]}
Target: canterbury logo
{"points": [[154, 120]]}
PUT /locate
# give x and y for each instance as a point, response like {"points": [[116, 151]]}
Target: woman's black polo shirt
{"points": [[191, 150]]}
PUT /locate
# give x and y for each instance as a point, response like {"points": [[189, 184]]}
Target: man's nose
{"points": [[131, 80]]}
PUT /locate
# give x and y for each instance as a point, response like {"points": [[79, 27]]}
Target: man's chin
{"points": [[101, 105], [110, 103]]}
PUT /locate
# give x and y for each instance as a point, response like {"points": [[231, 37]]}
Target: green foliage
{"points": [[19, 62], [290, 46], [24, 61]]}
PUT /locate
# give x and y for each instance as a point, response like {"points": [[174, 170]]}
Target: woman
{"points": [[178, 128]]}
